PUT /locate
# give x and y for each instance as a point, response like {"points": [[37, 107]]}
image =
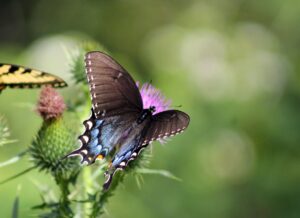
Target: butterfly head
{"points": [[152, 109], [146, 114]]}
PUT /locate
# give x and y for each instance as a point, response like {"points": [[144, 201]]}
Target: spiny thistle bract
{"points": [[4, 133], [54, 139], [77, 65]]}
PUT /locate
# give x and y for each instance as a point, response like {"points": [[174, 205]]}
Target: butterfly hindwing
{"points": [[166, 124], [113, 91], [101, 136], [162, 125], [90, 146], [15, 76]]}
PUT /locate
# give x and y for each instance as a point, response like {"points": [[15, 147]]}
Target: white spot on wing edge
{"points": [[134, 154], [84, 151], [90, 124], [85, 138], [122, 164], [78, 154]]}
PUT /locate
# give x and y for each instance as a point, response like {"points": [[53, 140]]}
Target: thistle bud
{"points": [[54, 139], [51, 105]]}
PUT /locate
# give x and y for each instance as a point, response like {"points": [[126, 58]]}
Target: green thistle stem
{"points": [[88, 187], [64, 209]]}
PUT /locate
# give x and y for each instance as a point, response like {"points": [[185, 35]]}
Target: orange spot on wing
{"points": [[100, 157]]}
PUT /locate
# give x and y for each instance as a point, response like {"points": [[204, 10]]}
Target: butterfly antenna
{"points": [[177, 106]]}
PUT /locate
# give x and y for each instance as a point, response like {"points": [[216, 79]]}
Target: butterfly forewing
{"points": [[165, 124], [113, 91], [15, 76]]}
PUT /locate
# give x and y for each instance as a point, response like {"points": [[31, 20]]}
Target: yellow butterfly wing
{"points": [[15, 76]]}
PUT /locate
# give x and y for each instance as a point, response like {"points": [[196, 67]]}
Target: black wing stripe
{"points": [[173, 128], [168, 129], [106, 97], [108, 103], [155, 130], [103, 79]]}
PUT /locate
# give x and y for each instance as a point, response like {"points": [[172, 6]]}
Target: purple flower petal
{"points": [[153, 97]]}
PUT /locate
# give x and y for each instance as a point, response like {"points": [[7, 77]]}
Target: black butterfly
{"points": [[118, 120]]}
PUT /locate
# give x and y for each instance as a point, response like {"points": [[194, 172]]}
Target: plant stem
{"points": [[64, 209], [88, 188]]}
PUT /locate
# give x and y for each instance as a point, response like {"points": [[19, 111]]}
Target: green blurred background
{"points": [[234, 67]]}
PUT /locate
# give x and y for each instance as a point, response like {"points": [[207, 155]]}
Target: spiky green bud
{"points": [[53, 141]]}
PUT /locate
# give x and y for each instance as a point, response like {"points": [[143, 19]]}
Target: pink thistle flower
{"points": [[51, 104], [153, 97]]}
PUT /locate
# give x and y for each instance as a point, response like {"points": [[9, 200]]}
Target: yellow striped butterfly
{"points": [[15, 76]]}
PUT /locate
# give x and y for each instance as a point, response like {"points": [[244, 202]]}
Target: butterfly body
{"points": [[119, 124]]}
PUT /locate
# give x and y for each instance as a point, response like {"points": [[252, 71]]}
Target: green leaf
{"points": [[15, 211], [14, 159], [163, 173], [17, 175]]}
